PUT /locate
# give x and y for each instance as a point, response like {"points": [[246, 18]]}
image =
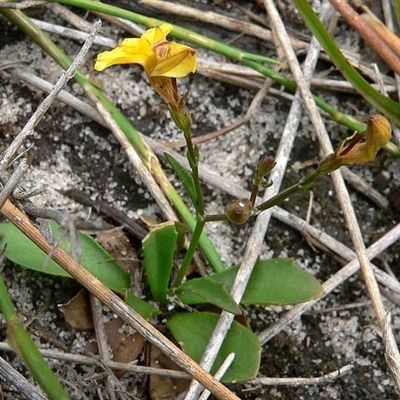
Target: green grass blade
{"points": [[21, 342], [384, 104]]}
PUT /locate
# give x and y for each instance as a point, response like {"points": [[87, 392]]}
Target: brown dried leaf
{"points": [[116, 242], [77, 311], [125, 347], [163, 387]]}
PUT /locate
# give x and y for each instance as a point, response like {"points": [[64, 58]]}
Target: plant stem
{"points": [[301, 186], [189, 253], [193, 159], [215, 217], [254, 193], [396, 8]]}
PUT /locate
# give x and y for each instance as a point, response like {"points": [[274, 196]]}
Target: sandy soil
{"points": [[70, 151]]}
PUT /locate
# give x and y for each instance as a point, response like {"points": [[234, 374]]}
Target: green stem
{"points": [[193, 159], [301, 186], [396, 8], [23, 344], [189, 253], [254, 193], [215, 217]]}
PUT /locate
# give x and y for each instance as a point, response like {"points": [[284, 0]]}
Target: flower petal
{"points": [[379, 131], [158, 33], [377, 135], [162, 61], [174, 60], [130, 51]]}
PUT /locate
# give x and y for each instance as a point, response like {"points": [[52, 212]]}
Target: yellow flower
{"points": [[163, 61], [364, 146], [361, 147]]}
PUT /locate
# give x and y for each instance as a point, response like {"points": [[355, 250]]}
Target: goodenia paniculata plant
{"points": [[164, 62]]}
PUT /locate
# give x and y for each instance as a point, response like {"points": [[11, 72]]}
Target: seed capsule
{"points": [[239, 211]]}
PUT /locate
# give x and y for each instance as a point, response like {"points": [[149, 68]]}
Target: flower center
{"points": [[161, 48]]}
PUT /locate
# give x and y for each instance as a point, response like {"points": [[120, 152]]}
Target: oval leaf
{"points": [[206, 290], [158, 251], [23, 251], [277, 281], [193, 331]]}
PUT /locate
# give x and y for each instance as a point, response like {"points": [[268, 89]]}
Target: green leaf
{"points": [[184, 176], [193, 331], [158, 251], [273, 282], [23, 251], [144, 308], [277, 281], [207, 290]]}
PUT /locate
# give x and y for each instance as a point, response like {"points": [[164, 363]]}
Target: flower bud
{"points": [[239, 211], [265, 165]]}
